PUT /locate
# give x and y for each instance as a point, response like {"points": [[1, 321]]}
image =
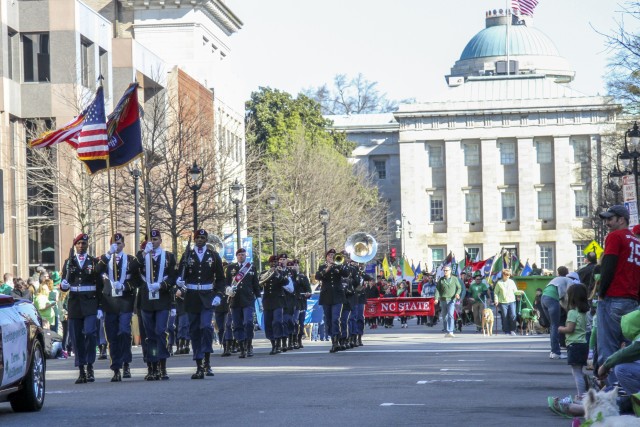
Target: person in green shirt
{"points": [[7, 286], [448, 292], [575, 331], [479, 291], [505, 298]]}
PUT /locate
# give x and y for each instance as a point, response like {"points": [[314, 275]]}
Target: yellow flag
{"points": [[593, 247], [407, 271], [385, 267]]}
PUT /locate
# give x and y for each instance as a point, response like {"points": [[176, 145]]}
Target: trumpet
{"points": [[338, 260]]}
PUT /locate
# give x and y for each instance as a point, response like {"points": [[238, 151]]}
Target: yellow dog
{"points": [[487, 322]]}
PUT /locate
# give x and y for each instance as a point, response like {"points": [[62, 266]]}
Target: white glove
{"points": [[118, 286], [172, 312], [148, 248], [99, 315], [289, 286], [154, 287], [216, 301], [113, 248], [180, 283], [64, 285]]}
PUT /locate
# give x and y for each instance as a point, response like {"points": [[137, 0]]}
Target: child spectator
{"points": [[575, 331]]}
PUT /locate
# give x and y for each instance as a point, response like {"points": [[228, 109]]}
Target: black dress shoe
{"points": [[208, 371], [82, 378], [90, 377], [126, 372], [116, 376], [199, 375]]}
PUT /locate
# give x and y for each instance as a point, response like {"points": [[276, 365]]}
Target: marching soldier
{"points": [[223, 322], [332, 296], [303, 293], [289, 308], [82, 281], [118, 296], [202, 288], [273, 303], [157, 270], [360, 301], [350, 300], [243, 289]]}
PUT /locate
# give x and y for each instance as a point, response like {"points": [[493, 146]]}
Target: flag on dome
{"points": [[524, 7]]}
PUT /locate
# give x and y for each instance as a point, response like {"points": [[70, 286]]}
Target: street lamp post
{"points": [[615, 182], [324, 220], [236, 192], [136, 202], [630, 157], [272, 200], [195, 177], [400, 233], [259, 227]]}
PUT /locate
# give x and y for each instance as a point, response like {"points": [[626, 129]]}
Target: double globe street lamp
{"points": [[195, 178], [629, 159]]}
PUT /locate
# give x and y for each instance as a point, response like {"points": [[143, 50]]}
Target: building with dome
{"points": [[508, 158]]}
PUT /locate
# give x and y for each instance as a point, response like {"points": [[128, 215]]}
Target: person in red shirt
{"points": [[619, 281]]}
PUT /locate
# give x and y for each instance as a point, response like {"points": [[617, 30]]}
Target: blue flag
{"points": [[526, 270], [418, 270]]}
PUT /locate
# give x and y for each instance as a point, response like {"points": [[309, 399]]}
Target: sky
{"points": [[407, 46]]}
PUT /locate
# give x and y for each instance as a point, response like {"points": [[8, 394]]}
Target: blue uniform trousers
{"points": [[83, 339], [344, 322], [183, 327], [221, 323], [117, 327], [332, 319], [273, 328], [155, 328], [359, 317], [302, 315], [201, 332], [243, 322], [171, 329], [287, 324]]}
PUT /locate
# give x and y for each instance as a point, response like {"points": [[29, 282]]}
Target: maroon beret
{"points": [[81, 236]]}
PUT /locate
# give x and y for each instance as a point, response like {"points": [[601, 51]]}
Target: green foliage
{"points": [[273, 116]]}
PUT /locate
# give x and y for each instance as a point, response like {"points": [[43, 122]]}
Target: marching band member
{"points": [[360, 301], [202, 288], [346, 328], [223, 321], [303, 293], [273, 303], [82, 281], [289, 309], [157, 269], [243, 289], [118, 296], [332, 295]]}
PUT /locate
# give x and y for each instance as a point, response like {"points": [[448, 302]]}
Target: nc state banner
{"points": [[399, 307]]}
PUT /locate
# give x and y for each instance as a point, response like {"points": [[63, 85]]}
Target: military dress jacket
{"points": [[361, 295], [85, 294], [302, 287], [247, 290], [124, 303], [290, 297], [273, 294], [332, 290], [208, 273], [166, 293]]}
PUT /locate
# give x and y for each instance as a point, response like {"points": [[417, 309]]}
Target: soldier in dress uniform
{"points": [[202, 288], [243, 289], [289, 308], [118, 296], [223, 322], [83, 282], [182, 326], [157, 275], [303, 293], [350, 301], [332, 296], [273, 303], [360, 302]]}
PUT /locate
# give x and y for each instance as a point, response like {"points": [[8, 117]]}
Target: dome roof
{"points": [[523, 40]]}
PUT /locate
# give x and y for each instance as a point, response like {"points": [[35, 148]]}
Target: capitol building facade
{"points": [[507, 160]]}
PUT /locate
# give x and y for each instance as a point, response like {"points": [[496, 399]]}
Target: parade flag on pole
{"points": [[385, 267], [407, 271], [65, 133], [526, 270], [125, 142], [92, 139], [524, 7]]}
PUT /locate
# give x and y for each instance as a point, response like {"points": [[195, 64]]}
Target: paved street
{"points": [[402, 377]]}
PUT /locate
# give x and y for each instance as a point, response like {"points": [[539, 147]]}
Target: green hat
{"points": [[630, 324], [55, 276]]}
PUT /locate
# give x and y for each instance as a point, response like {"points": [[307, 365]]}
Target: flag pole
{"points": [[508, 14], [113, 257], [145, 181]]}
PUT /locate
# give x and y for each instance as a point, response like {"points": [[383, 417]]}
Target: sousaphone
{"points": [[362, 247]]}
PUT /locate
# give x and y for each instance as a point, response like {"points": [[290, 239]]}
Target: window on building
{"points": [[437, 257], [580, 151], [381, 168], [85, 62], [474, 253], [545, 204], [507, 153], [546, 256], [582, 203], [437, 209], [580, 247], [35, 57], [472, 207], [471, 154], [11, 45], [435, 156], [544, 152], [508, 206]]}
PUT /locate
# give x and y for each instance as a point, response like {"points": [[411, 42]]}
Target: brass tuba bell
{"points": [[215, 243], [362, 247]]}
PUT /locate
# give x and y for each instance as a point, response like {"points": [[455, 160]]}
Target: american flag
{"points": [[92, 139], [524, 7]]}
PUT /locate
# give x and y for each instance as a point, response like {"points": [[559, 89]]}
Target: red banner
{"points": [[377, 307]]}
